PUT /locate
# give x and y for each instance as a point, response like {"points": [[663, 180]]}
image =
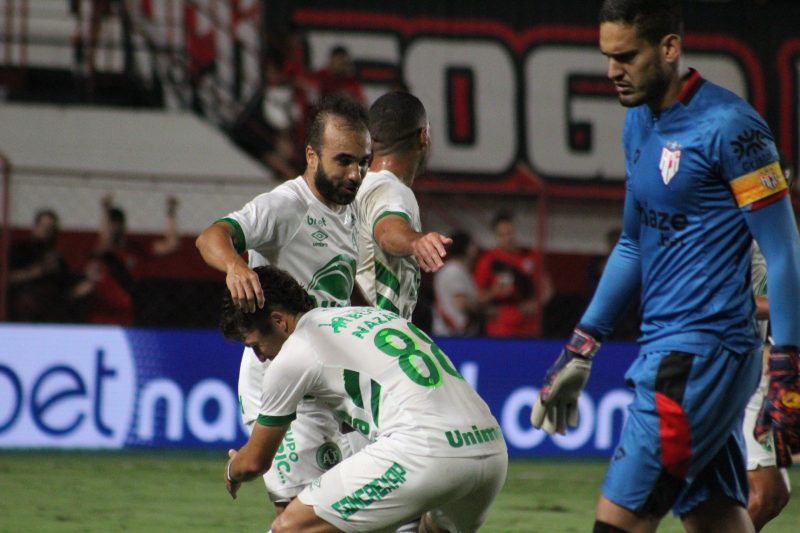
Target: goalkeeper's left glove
{"points": [[557, 405], [780, 411]]}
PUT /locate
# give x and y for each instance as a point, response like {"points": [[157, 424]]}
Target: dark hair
{"points": [[117, 215], [334, 106], [394, 120], [502, 216], [282, 293], [460, 245], [41, 213], [339, 50], [653, 19]]}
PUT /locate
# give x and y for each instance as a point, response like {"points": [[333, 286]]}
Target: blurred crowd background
{"points": [[99, 227]]}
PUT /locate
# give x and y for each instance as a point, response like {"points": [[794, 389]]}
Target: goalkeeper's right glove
{"points": [[557, 405], [780, 411]]}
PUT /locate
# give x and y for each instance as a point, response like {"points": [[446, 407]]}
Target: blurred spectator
{"points": [[112, 267], [506, 276], [339, 76], [458, 309], [40, 285], [597, 263], [265, 128], [93, 21]]}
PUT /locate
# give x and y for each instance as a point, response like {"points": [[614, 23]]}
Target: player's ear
{"points": [[425, 136], [279, 322], [312, 158], [671, 47]]}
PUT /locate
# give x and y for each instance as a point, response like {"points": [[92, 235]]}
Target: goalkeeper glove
{"points": [[780, 411], [557, 405]]}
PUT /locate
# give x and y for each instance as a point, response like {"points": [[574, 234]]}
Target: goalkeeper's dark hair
{"points": [[653, 19], [394, 123], [345, 109], [281, 293]]}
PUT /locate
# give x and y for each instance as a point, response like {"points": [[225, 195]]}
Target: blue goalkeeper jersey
{"points": [[691, 172]]}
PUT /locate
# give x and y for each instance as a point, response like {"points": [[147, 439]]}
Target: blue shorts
{"points": [[682, 439]]}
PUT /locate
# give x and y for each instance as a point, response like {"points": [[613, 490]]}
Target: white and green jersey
{"points": [[758, 277], [389, 282], [291, 229], [384, 377]]}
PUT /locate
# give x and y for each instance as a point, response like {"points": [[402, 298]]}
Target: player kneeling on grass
{"points": [[435, 449]]}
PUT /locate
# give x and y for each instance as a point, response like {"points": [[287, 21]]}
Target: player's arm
{"points": [[395, 236], [775, 231], [255, 457], [762, 307], [557, 404], [221, 246]]}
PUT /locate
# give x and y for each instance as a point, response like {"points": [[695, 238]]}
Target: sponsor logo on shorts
{"points": [[457, 438], [286, 456], [374, 491], [328, 455]]}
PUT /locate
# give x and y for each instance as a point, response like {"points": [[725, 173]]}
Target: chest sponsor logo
{"points": [[313, 221], [670, 161], [319, 236]]}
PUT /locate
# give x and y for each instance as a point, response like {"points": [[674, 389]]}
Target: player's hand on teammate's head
{"points": [[246, 291], [557, 404], [429, 249], [780, 411]]}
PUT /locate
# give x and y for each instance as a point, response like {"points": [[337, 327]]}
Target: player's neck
{"points": [[671, 92], [404, 167]]}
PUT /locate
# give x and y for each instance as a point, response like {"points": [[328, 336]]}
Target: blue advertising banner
{"points": [[110, 387]]}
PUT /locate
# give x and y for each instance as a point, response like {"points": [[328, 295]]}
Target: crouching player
{"points": [[435, 449]]}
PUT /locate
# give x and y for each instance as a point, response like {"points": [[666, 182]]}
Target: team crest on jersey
{"points": [[670, 161]]}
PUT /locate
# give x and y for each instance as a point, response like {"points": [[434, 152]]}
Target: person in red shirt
{"points": [[508, 277], [339, 76], [112, 268]]}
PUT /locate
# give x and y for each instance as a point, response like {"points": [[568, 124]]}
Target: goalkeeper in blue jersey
{"points": [[703, 179]]}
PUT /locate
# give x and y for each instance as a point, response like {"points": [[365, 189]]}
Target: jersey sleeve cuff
{"points": [[239, 242], [266, 420], [386, 214]]}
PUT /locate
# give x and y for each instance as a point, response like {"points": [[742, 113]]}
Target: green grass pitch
{"points": [[175, 491]]}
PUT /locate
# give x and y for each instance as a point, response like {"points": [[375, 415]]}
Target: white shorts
{"points": [[312, 445], [379, 489], [759, 454]]}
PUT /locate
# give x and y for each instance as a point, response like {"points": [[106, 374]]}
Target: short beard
{"points": [[328, 189], [658, 89]]}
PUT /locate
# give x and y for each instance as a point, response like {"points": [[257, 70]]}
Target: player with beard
{"points": [[306, 226], [392, 247]]}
